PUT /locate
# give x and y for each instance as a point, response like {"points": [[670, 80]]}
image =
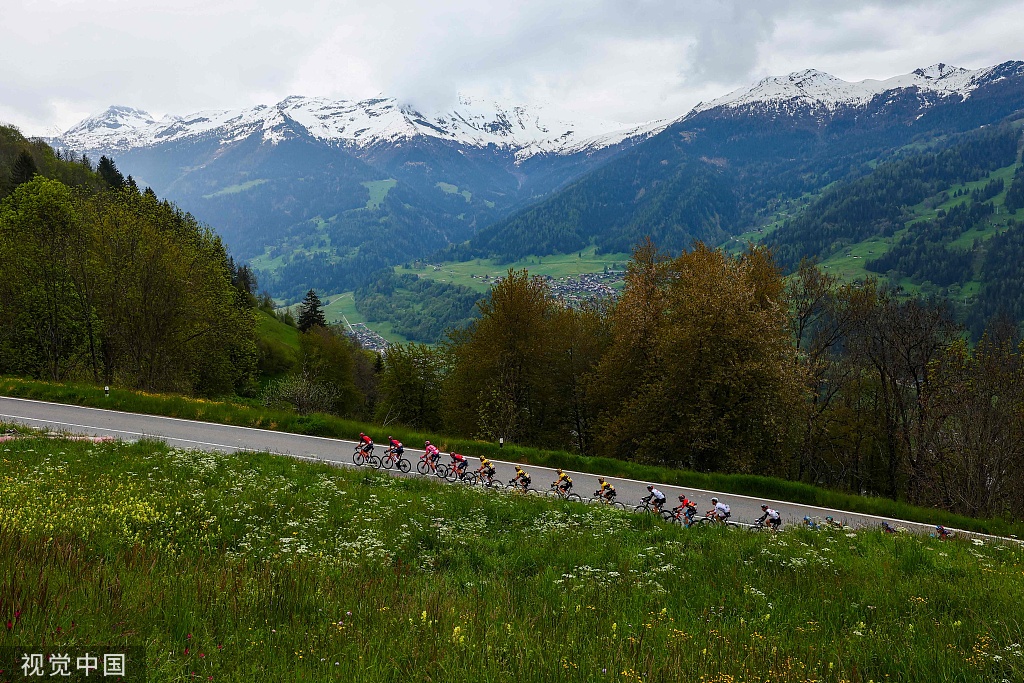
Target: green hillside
{"points": [[250, 567], [939, 220]]}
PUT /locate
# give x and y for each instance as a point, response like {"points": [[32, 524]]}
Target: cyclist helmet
{"points": [[601, 479], [361, 434], [682, 498], [427, 443], [714, 500], [389, 437], [764, 506], [650, 487], [559, 470]]}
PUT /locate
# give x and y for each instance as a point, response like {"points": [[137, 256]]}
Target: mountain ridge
{"points": [[525, 130]]}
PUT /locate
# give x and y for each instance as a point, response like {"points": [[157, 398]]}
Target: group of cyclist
{"points": [[655, 499]]}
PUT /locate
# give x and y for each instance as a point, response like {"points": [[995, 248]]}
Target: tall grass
{"points": [[249, 567], [252, 414]]}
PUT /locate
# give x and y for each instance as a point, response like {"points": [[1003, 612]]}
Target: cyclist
{"points": [[942, 532], [365, 444], [888, 528], [771, 517], [430, 450], [396, 446], [486, 469], [688, 507], [655, 497], [720, 511], [833, 523], [522, 479], [605, 490], [564, 482], [810, 523], [460, 463]]}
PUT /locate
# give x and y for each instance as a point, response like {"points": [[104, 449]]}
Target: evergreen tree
{"points": [[311, 312], [23, 170], [108, 171]]}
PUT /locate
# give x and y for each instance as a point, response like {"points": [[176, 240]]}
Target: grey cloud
{"points": [[621, 59]]}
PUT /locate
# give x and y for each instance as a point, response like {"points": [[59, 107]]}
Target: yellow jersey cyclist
{"points": [[563, 483], [522, 479], [605, 490], [486, 469]]}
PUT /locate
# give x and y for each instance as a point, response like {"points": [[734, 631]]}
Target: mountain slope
{"points": [[323, 193], [755, 149]]}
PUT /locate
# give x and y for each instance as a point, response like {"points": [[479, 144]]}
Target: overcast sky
{"points": [[625, 60]]}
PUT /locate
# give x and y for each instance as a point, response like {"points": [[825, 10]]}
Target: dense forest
{"points": [[103, 281], [877, 204], [419, 309], [717, 363]]}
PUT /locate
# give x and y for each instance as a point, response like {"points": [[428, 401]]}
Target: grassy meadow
{"points": [[250, 567], [556, 265]]}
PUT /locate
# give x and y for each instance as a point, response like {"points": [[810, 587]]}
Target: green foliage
{"points": [[701, 372], [419, 309], [368, 578], [23, 170], [118, 286], [311, 312], [515, 373], [1015, 194], [107, 170], [410, 387], [328, 357], [877, 204]]}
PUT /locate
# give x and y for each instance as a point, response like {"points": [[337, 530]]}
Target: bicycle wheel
{"points": [[422, 467], [668, 516], [732, 525], [441, 471], [451, 474], [374, 462], [702, 521], [642, 508], [387, 461], [495, 484], [404, 465], [359, 458], [617, 505], [574, 497]]}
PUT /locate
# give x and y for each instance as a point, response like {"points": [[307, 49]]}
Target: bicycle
{"points": [[711, 519], [680, 515], [392, 458], [557, 492], [361, 457], [522, 487], [455, 474], [487, 479], [649, 505], [598, 499], [428, 465], [762, 525]]}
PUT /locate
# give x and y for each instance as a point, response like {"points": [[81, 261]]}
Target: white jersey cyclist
{"points": [[721, 509], [657, 495]]}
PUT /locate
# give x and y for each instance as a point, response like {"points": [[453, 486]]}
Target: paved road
{"points": [[226, 438]]}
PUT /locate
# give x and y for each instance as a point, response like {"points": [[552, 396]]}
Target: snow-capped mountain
{"points": [[526, 131], [819, 91]]}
